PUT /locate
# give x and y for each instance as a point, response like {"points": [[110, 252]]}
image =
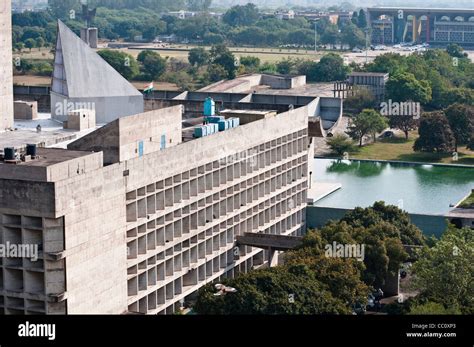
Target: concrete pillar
{"points": [[272, 257], [392, 285], [6, 71]]}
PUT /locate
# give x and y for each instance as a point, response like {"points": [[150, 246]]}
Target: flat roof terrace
{"points": [[52, 164], [52, 133]]}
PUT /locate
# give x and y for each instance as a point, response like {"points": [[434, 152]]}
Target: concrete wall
{"points": [[134, 136], [283, 82], [107, 109], [38, 94], [26, 110], [6, 72], [246, 118], [81, 120], [195, 108], [95, 241], [149, 129]]}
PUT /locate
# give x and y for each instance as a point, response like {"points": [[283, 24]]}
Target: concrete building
{"points": [[134, 218], [437, 26], [6, 70], [90, 36], [83, 80], [25, 110]]}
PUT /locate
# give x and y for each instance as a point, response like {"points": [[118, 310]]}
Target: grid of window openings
{"points": [[32, 277], [181, 230]]}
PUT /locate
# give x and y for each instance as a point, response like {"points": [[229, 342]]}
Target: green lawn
{"points": [[398, 148]]}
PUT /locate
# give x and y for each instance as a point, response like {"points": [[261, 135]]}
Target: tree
{"points": [[20, 46], [339, 144], [153, 64], [30, 43], [40, 42], [435, 134], [198, 57], [361, 99], [457, 95], [308, 283], [355, 18], [404, 86], [392, 63], [432, 308], [353, 36], [331, 35], [403, 123], [379, 123], [241, 15], [362, 20], [221, 55], [216, 73], [470, 145], [382, 229], [367, 122], [251, 63], [461, 121], [124, 63], [444, 273], [285, 66], [330, 68], [454, 50]]}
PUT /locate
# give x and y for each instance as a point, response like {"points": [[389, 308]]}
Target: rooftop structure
{"points": [[83, 80]]}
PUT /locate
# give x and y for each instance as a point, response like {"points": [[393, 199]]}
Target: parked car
{"points": [[386, 134]]}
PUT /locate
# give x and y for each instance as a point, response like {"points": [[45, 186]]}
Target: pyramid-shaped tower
{"points": [[83, 80]]}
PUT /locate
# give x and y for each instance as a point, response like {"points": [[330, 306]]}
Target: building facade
{"points": [[131, 218], [6, 70]]}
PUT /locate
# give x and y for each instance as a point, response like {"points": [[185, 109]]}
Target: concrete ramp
{"points": [[269, 241]]}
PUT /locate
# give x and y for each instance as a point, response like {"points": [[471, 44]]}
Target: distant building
{"points": [[332, 17], [438, 26], [375, 82], [285, 15]]}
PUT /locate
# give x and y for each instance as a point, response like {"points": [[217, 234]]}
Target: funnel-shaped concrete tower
{"points": [[6, 71]]}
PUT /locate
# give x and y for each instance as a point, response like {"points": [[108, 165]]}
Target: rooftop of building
{"points": [[374, 74], [48, 157], [52, 133]]}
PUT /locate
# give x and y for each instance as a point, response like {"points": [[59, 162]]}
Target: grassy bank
{"points": [[398, 148]]}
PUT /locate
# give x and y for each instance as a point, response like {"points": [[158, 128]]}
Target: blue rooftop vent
{"points": [[209, 107]]}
